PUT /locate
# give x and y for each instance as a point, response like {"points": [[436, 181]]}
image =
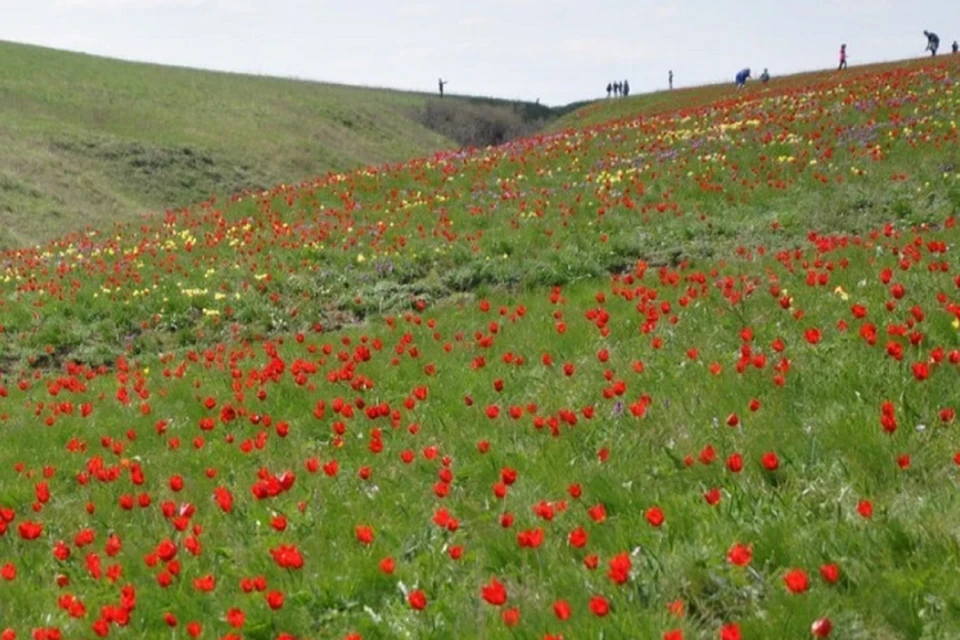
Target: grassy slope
{"points": [[761, 217], [539, 212], [93, 140], [601, 111]]}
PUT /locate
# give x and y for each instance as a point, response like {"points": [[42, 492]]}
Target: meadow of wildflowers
{"points": [[684, 374]]}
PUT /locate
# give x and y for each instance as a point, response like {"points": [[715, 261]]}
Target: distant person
{"points": [[765, 76], [843, 57], [742, 76], [442, 84], [626, 88], [955, 47], [616, 89], [933, 42], [670, 79], [609, 89]]}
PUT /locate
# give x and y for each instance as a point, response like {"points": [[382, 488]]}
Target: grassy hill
{"points": [[688, 373], [649, 104], [89, 140]]}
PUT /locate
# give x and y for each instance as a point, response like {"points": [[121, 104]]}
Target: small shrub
{"points": [[477, 125]]}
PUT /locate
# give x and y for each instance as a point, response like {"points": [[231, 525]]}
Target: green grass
{"points": [[692, 99], [90, 141], [665, 189], [590, 308]]}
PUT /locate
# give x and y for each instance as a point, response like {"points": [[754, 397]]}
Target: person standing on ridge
{"points": [[843, 57], [742, 78], [609, 89], [442, 83], [933, 42], [626, 88], [955, 47], [670, 79], [765, 76]]}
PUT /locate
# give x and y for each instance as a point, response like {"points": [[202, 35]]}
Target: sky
{"points": [[557, 51]]}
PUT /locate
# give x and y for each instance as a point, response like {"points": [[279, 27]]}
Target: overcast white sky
{"points": [[556, 50]]}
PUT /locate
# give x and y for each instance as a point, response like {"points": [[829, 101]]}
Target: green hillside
{"points": [[90, 140], [688, 374], [598, 112]]}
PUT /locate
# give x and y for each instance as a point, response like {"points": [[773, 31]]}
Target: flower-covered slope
{"points": [[685, 375]]}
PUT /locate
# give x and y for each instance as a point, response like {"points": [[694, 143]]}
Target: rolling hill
{"points": [[602, 111], [89, 140], [686, 372]]}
